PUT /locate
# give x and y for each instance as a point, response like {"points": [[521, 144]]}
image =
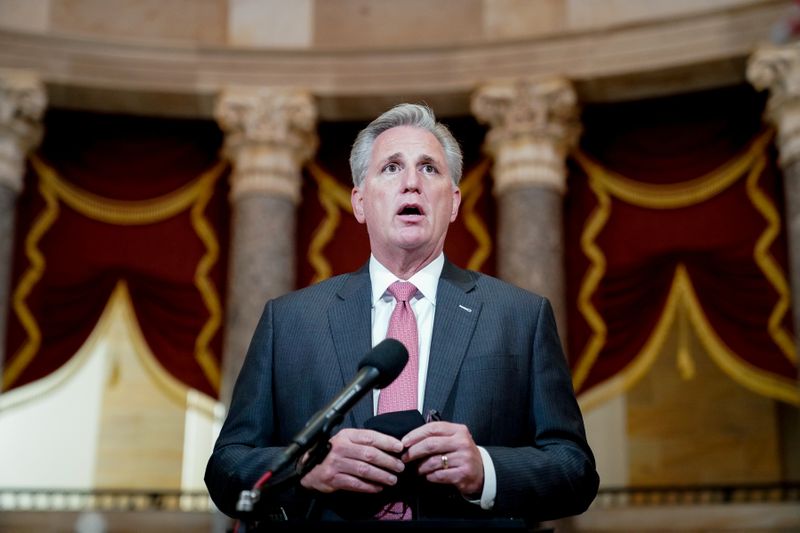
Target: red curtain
{"points": [[110, 198], [675, 205]]}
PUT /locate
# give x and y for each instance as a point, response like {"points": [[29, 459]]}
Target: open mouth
{"points": [[410, 210]]}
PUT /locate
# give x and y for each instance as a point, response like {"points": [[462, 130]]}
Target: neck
{"points": [[404, 264]]}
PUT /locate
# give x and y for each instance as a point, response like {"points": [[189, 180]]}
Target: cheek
{"points": [[375, 210], [448, 208], [379, 205]]}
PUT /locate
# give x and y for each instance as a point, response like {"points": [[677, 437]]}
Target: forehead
{"points": [[408, 142]]}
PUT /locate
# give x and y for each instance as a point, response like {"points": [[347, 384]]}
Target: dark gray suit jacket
{"points": [[496, 365]]}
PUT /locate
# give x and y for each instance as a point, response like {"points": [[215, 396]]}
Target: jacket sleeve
{"points": [[242, 452], [555, 476]]}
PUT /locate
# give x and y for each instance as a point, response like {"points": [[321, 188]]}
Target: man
{"points": [[510, 441]]}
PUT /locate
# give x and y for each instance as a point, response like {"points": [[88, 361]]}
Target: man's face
{"points": [[408, 198]]}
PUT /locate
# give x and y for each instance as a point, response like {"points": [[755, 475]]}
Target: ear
{"points": [[456, 203], [357, 201]]}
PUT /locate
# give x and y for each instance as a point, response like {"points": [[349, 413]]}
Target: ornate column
{"points": [[532, 127], [778, 69], [270, 132], [22, 105]]}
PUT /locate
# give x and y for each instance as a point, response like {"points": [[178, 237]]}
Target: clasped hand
{"points": [[363, 460]]}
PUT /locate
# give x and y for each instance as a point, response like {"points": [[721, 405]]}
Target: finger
{"points": [[338, 472], [428, 430], [369, 455], [429, 446], [368, 437], [429, 465], [370, 472], [460, 469], [340, 481], [354, 449]]}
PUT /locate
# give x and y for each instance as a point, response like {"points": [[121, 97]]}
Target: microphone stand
{"points": [[379, 368], [318, 449]]}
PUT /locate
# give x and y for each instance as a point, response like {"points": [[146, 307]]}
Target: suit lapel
{"points": [[457, 311], [350, 317]]}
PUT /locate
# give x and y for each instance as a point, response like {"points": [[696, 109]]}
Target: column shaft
{"points": [[530, 244], [8, 200], [792, 193], [22, 104], [261, 267]]}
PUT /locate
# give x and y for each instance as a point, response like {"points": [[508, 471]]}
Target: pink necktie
{"points": [[401, 394]]}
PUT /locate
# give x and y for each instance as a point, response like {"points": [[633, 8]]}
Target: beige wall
{"points": [[110, 418], [341, 23], [703, 430]]}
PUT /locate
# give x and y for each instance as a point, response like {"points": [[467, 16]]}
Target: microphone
{"points": [[377, 369]]}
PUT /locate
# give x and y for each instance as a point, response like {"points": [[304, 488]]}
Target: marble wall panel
{"points": [[388, 24], [199, 21]]}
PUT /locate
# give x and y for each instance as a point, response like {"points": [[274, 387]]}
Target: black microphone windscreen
{"points": [[390, 357]]}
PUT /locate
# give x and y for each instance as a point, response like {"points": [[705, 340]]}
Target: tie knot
{"points": [[402, 290]]}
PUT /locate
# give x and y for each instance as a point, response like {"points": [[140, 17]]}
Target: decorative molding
{"points": [[270, 133], [714, 35], [533, 125], [777, 68], [22, 105]]}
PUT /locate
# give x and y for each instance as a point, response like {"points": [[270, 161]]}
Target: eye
{"points": [[427, 168], [391, 168]]}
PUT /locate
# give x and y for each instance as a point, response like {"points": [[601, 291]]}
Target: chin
{"points": [[412, 239], [411, 245]]}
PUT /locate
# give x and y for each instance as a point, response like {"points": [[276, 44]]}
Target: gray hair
{"points": [[415, 115]]}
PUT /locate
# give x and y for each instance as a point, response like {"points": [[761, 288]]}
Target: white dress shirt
{"points": [[423, 303]]}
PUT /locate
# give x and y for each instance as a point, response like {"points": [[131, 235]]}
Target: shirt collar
{"points": [[426, 280]]}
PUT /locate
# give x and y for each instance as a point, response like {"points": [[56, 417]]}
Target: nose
{"points": [[411, 180]]}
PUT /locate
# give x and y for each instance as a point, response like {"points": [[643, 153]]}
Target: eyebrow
{"points": [[393, 157], [424, 159], [428, 159]]}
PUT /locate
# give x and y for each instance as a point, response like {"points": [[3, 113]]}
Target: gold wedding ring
{"points": [[445, 464]]}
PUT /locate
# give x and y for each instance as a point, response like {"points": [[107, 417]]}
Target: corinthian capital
{"points": [[533, 125], [270, 133], [22, 104], [777, 68]]}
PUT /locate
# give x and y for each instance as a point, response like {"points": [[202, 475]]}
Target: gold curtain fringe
{"points": [[53, 188], [126, 213], [202, 280], [767, 263], [17, 364], [594, 275], [675, 195], [333, 198], [471, 191]]}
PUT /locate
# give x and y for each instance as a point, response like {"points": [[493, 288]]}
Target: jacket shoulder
{"points": [[323, 290], [491, 286]]}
